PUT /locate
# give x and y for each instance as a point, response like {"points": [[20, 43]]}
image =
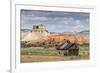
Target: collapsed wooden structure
{"points": [[70, 49]]}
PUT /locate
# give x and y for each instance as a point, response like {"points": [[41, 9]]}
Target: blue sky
{"points": [[55, 21]]}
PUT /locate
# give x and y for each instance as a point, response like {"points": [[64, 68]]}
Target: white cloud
{"points": [[25, 18], [69, 20], [74, 23], [40, 18], [78, 24]]}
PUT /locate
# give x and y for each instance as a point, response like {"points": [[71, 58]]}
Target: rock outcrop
{"points": [[39, 36]]}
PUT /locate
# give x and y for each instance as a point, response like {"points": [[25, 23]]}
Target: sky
{"points": [[55, 21]]}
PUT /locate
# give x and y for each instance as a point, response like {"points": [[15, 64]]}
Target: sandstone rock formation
{"points": [[40, 36]]}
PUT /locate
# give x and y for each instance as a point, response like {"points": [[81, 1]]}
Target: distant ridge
{"points": [[25, 30], [85, 31]]}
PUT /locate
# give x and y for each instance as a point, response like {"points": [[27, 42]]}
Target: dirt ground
{"points": [[39, 58]]}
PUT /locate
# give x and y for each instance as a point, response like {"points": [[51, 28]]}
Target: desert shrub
{"points": [[65, 53], [24, 52], [44, 46], [47, 52], [23, 45], [84, 49]]}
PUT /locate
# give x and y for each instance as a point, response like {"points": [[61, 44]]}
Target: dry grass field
{"points": [[41, 54]]}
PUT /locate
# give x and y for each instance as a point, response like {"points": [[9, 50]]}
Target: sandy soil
{"points": [[39, 58]]}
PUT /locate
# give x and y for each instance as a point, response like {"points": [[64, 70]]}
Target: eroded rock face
{"points": [[56, 39], [40, 36]]}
